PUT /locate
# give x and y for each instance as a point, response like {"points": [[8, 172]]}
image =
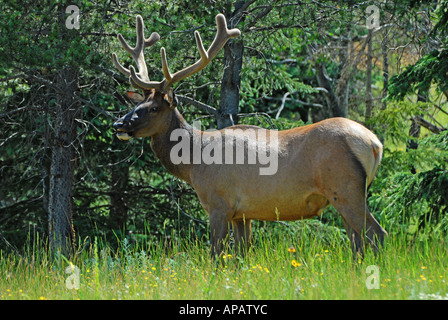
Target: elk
{"points": [[330, 162]]}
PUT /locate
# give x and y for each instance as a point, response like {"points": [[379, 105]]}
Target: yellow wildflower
{"points": [[295, 263]]}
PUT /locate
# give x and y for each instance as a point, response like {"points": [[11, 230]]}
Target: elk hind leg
{"points": [[360, 224], [242, 232], [356, 241]]}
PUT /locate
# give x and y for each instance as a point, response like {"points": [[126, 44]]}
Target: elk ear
{"points": [[135, 97], [171, 99]]}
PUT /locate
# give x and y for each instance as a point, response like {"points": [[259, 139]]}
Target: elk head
{"points": [[156, 105]]}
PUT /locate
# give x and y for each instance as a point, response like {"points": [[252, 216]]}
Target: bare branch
{"points": [[285, 98], [428, 125], [282, 105], [198, 104], [308, 104], [256, 115], [9, 245], [284, 61], [261, 15], [5, 114]]}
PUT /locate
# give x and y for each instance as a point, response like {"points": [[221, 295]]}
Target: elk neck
{"points": [[161, 145]]}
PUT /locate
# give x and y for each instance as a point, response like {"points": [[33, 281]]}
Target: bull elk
{"points": [[330, 162]]}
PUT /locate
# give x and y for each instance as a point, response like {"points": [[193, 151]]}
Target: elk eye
{"points": [[154, 109]]}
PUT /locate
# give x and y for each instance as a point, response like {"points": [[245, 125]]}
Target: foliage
{"points": [[122, 191], [414, 202], [433, 67], [393, 120]]}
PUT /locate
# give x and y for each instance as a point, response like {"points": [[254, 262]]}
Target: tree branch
{"points": [[282, 105], [263, 13], [9, 245], [307, 104], [428, 125], [200, 105], [5, 114], [285, 98]]}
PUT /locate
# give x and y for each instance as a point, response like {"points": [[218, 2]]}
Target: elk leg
{"points": [[356, 242], [218, 232], [242, 231], [374, 232], [359, 223]]}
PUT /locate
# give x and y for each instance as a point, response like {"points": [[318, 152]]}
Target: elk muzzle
{"points": [[119, 127]]}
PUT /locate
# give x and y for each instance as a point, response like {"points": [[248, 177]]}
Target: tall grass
{"points": [[280, 265]]}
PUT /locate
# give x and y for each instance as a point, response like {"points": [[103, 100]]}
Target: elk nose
{"points": [[118, 124]]}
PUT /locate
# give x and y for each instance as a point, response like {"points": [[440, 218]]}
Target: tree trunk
{"points": [[343, 79], [60, 203], [414, 130], [323, 80], [369, 99], [231, 82], [384, 51], [118, 214]]}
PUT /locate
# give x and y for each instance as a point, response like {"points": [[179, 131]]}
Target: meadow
{"points": [[279, 266], [302, 61]]}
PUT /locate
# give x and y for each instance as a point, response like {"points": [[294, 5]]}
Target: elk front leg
{"points": [[218, 231], [242, 231]]}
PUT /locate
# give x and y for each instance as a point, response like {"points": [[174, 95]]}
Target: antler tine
{"points": [[166, 72], [222, 36], [141, 79], [138, 80], [120, 68]]}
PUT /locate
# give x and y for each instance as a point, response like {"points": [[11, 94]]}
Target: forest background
{"points": [[297, 62]]}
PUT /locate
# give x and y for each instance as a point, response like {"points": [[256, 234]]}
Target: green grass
{"points": [[277, 267]]}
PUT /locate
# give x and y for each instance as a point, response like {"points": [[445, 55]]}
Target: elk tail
{"points": [[377, 150]]}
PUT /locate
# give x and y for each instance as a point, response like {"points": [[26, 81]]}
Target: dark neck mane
{"points": [[161, 146]]}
